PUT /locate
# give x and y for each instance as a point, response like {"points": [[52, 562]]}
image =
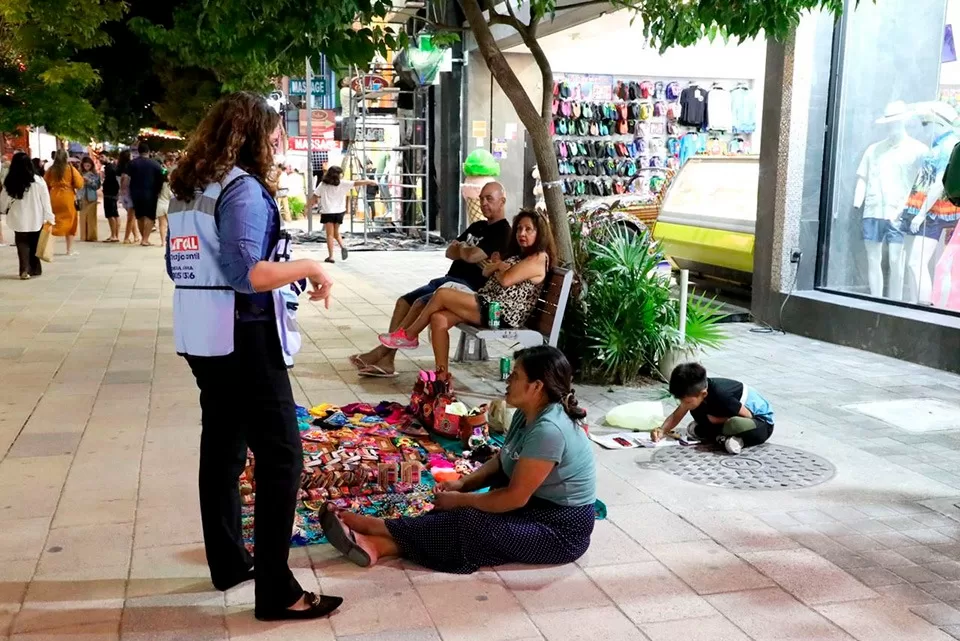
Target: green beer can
{"points": [[504, 368], [493, 315]]}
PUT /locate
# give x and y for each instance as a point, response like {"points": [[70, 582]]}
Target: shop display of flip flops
{"points": [[617, 136]]}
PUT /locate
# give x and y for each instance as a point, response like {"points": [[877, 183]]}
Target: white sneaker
{"points": [[686, 433], [733, 444]]}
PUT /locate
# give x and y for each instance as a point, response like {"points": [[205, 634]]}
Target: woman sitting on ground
{"points": [[513, 283], [539, 509]]}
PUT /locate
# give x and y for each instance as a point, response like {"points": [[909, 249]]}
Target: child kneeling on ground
{"points": [[723, 410]]}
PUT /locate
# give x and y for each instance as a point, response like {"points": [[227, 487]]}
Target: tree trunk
{"points": [[535, 123]]}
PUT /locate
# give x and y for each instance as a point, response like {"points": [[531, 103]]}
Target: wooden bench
{"points": [[543, 326]]}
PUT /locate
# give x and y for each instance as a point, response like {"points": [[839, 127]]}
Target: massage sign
{"points": [[184, 256]]}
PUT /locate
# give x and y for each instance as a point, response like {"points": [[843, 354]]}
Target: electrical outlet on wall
{"points": [[796, 256]]}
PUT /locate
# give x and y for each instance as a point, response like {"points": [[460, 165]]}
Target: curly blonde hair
{"points": [[235, 132]]}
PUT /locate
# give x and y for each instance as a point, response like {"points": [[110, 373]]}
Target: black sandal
{"points": [[344, 543], [318, 605]]}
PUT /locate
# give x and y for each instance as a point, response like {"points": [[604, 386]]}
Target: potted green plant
{"points": [[702, 329]]}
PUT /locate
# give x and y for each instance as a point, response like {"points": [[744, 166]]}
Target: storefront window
{"points": [[889, 233]]}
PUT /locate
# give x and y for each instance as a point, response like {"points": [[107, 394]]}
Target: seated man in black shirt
{"points": [[468, 252], [724, 411]]}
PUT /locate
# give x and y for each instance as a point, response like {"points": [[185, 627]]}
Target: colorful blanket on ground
{"points": [[358, 458]]}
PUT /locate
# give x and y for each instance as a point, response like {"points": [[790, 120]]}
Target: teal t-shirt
{"points": [[554, 437]]}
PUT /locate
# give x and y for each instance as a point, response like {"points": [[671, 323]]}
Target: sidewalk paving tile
{"points": [[880, 620], [809, 577]]}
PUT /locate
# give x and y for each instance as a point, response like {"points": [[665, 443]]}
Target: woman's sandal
{"points": [[357, 362], [375, 371], [318, 605], [340, 539]]}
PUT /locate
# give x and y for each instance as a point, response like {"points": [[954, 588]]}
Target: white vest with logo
{"points": [[204, 303]]}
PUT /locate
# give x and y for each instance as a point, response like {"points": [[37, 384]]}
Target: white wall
{"points": [[611, 45]]}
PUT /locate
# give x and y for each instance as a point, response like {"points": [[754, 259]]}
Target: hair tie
{"points": [[568, 399]]}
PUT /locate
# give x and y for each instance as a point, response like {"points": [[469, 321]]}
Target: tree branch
{"points": [[528, 33], [510, 21]]}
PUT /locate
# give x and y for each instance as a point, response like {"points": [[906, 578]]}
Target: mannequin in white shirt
{"points": [[885, 177]]}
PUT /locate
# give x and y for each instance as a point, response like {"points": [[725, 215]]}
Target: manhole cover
{"points": [[764, 467], [912, 414]]}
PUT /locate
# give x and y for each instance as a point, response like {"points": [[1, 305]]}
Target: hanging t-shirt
{"points": [[689, 147], [743, 110], [888, 169], [693, 107], [719, 115]]}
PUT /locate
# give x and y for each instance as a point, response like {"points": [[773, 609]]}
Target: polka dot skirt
{"points": [[464, 540]]}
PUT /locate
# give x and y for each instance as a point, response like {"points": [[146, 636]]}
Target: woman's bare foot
{"points": [[360, 523], [367, 545]]}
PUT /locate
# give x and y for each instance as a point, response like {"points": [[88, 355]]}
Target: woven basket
{"points": [[648, 213]]}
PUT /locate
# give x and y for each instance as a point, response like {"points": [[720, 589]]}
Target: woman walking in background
{"points": [[26, 201], [89, 200], [163, 200], [64, 181], [38, 167], [111, 195], [122, 163]]}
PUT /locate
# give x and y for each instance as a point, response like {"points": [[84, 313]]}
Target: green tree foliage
{"points": [[245, 43], [41, 80]]}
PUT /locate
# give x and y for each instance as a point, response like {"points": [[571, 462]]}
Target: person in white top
{"points": [[332, 193], [26, 201], [283, 192]]}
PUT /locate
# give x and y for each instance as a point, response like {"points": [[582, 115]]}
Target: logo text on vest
{"points": [[185, 244]]}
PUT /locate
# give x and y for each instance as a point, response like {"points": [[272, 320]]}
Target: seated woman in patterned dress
{"points": [[539, 509], [514, 283]]}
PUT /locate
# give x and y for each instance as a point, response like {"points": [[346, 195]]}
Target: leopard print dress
{"points": [[516, 301]]}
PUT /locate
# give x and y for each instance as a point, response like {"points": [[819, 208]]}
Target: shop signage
{"points": [[373, 134], [499, 148], [298, 86], [324, 120], [299, 143], [370, 83]]}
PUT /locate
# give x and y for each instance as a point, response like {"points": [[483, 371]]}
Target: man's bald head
{"points": [[493, 202]]}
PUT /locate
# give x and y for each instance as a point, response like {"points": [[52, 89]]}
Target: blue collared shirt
{"points": [[249, 223]]}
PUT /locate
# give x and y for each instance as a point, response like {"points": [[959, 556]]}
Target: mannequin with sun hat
{"points": [[885, 177]]}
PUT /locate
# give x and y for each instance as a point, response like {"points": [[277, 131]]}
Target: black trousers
{"points": [[26, 242], [246, 401]]}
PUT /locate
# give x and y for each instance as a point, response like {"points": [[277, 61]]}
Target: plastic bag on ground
{"points": [[639, 416]]}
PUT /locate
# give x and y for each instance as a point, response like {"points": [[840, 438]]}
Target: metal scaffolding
{"points": [[405, 196]]}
